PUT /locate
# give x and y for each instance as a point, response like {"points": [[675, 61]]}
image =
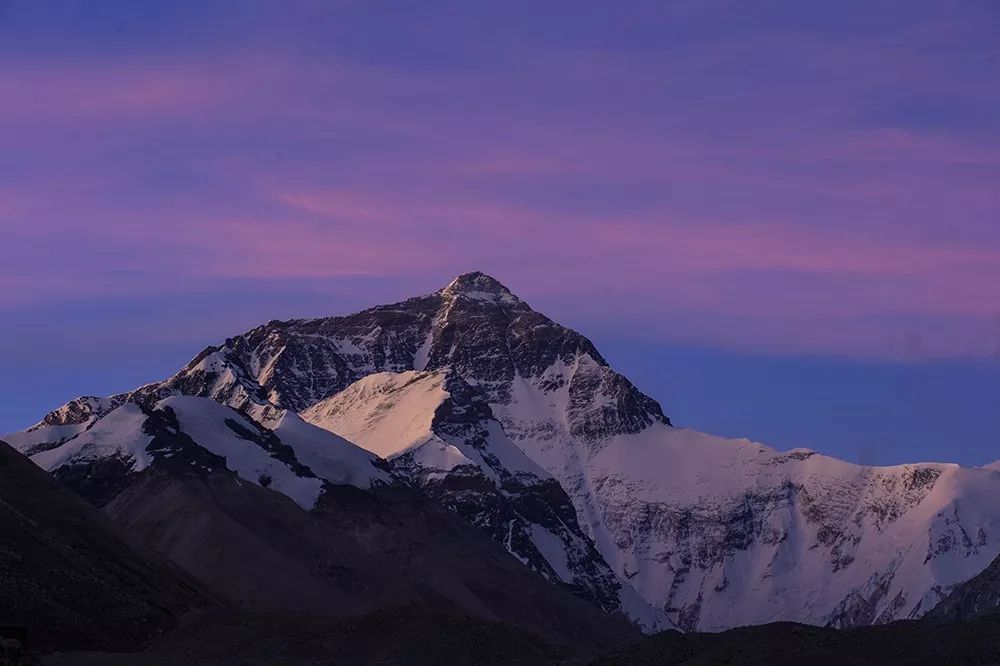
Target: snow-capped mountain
{"points": [[498, 489], [713, 533]]}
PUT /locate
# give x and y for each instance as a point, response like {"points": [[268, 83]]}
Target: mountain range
{"points": [[461, 450]]}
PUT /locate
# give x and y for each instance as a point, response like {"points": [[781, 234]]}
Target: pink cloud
{"points": [[55, 91], [761, 198], [752, 245]]}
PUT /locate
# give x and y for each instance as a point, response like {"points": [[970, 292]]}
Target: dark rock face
{"points": [[97, 481], [976, 598], [513, 513], [475, 327], [81, 410], [512, 508]]}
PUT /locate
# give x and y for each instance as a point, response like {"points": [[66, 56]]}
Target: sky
{"points": [[782, 219]]}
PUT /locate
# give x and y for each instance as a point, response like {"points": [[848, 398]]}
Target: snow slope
{"points": [[386, 413], [722, 533], [220, 430], [294, 457], [119, 434], [330, 457], [392, 415]]}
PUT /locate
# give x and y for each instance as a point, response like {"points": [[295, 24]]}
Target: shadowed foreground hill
{"points": [[973, 599], [398, 636], [356, 552], [414, 636], [907, 642], [70, 576]]}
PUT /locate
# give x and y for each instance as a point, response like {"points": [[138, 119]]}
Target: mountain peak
{"points": [[479, 286]]}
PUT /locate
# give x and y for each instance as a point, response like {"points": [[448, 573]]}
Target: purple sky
{"points": [[780, 178]]}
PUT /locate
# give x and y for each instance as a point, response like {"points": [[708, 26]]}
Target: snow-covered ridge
{"points": [[120, 434], [225, 433], [727, 532], [207, 435]]}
